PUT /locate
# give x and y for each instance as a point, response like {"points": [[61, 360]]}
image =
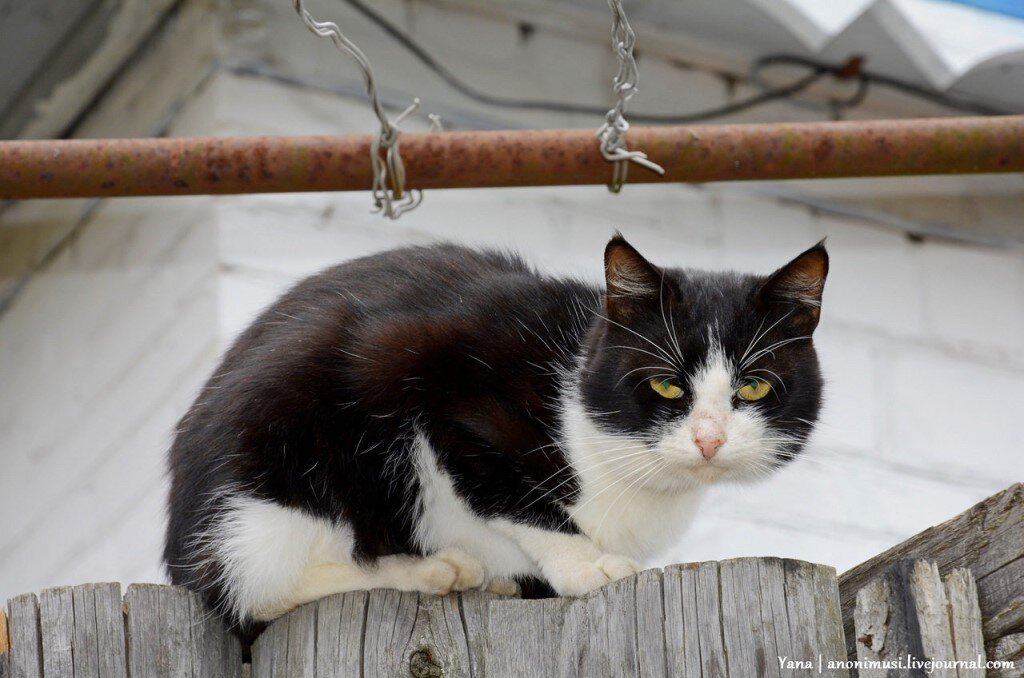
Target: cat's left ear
{"points": [[799, 284], [632, 281]]}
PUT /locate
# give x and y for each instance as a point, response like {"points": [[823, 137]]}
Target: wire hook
{"points": [[389, 194], [613, 132]]}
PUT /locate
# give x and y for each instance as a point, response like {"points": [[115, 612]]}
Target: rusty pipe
{"points": [[694, 154]]}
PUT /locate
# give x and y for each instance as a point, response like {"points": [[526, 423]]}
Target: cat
{"points": [[441, 418]]}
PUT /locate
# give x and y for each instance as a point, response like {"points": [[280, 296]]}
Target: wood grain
{"points": [[702, 620], [965, 620], [26, 656], [708, 619], [57, 621], [910, 611]]}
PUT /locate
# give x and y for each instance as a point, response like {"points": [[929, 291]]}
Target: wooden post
{"points": [[730, 618], [987, 539], [910, 616]]}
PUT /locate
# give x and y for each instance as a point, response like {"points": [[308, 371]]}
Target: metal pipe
{"points": [[695, 154]]}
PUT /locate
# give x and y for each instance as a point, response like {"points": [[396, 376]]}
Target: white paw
{"points": [[617, 567], [576, 578], [503, 587], [450, 570]]}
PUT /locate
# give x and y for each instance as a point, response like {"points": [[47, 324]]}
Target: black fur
{"points": [[315, 404]]}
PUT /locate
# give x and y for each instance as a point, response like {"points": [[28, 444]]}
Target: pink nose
{"points": [[708, 445]]}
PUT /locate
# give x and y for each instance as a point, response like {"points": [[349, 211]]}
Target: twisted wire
{"points": [[389, 194], [613, 132]]}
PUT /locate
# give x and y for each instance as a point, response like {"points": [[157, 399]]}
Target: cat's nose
{"points": [[708, 445]]}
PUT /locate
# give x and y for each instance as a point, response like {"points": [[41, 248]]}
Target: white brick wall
{"points": [[106, 344]]}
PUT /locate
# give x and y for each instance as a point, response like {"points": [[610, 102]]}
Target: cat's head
{"points": [[693, 377]]}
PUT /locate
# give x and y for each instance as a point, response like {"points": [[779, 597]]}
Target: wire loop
{"points": [[613, 132], [389, 193]]}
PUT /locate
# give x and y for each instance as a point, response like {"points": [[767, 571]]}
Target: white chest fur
{"points": [[617, 508]]}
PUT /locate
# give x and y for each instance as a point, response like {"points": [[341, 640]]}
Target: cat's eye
{"points": [[666, 389], [755, 389]]}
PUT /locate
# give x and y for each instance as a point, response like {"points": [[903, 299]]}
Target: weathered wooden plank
{"points": [[828, 617], [26, 656], [741, 607], [98, 635], [86, 656], [650, 625], [673, 623], [709, 622], [339, 630], [407, 632], [903, 635], [536, 638], [1009, 649], [910, 615], [390, 618], [682, 644], [775, 623], [270, 650], [617, 632], [815, 624], [56, 623], [965, 621], [871, 618], [932, 613], [1001, 600], [301, 652], [215, 652], [566, 626], [159, 631], [111, 645], [475, 621], [279, 640], [984, 539]]}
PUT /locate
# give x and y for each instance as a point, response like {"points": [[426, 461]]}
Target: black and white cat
{"points": [[440, 418]]}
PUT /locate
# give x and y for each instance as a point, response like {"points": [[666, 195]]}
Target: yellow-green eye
{"points": [[666, 389], [755, 389]]}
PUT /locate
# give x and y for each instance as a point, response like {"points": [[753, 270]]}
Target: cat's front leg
{"points": [[571, 563]]}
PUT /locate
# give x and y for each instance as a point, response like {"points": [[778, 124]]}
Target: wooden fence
{"points": [[734, 618]]}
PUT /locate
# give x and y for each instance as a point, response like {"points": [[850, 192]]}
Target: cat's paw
{"points": [[450, 570], [504, 587], [582, 577]]}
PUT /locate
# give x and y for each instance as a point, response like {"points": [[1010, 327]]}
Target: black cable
{"points": [[948, 100], [818, 70], [561, 107]]}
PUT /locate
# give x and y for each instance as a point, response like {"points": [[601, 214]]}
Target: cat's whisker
{"points": [[665, 375], [661, 303], [759, 335], [645, 352], [631, 474], [657, 347], [638, 483], [637, 369], [587, 470], [770, 350]]}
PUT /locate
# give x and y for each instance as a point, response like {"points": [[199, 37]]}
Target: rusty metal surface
{"points": [[134, 167]]}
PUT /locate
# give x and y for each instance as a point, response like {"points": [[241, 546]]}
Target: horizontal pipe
{"points": [[185, 166]]}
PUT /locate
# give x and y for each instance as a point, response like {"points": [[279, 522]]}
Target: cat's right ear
{"points": [[799, 284], [632, 281]]}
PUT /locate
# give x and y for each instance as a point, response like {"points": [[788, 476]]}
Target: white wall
{"points": [[107, 341]]}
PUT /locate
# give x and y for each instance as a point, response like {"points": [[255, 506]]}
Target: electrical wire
{"points": [[817, 72]]}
